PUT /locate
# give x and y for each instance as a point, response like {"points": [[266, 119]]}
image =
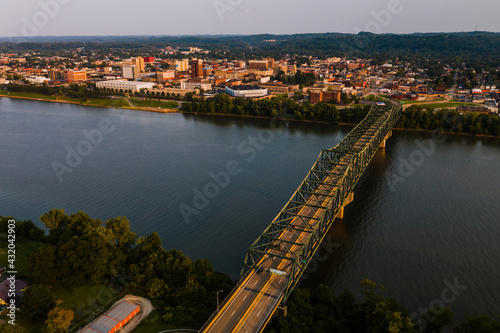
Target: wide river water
{"points": [[425, 221]]}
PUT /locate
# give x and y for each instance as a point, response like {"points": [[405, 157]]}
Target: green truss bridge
{"points": [[278, 258]]}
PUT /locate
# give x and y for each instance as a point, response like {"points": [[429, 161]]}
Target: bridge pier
{"points": [[389, 134], [281, 312], [349, 199]]}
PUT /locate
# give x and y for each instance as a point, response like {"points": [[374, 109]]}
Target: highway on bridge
{"points": [[251, 304]]}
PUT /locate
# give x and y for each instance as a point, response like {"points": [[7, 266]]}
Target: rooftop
{"points": [[246, 87]]}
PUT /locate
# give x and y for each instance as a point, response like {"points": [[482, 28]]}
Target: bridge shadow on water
{"points": [[344, 240]]}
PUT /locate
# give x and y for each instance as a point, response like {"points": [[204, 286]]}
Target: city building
{"points": [[193, 85], [325, 96], [37, 79], [75, 76], [280, 88], [55, 74], [179, 65], [246, 91], [114, 319], [139, 62], [112, 76], [257, 64], [131, 72], [165, 76], [125, 85], [196, 68], [149, 59]]}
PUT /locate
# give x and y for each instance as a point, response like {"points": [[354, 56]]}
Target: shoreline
{"points": [[337, 124], [138, 108], [149, 109]]}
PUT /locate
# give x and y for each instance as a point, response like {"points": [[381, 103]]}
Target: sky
{"points": [[197, 17]]}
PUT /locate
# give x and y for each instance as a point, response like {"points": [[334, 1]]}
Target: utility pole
{"points": [[218, 299]]}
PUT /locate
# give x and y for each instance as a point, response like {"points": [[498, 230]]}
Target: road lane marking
{"points": [[233, 313]]}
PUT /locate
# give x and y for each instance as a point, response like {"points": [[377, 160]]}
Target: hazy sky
{"points": [[187, 17]]}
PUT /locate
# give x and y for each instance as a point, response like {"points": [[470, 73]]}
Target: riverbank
{"points": [[110, 103], [327, 123]]}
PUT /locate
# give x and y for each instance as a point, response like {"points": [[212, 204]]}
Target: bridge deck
{"points": [[253, 301]]}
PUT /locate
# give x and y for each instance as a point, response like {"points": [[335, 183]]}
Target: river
{"points": [[424, 223]]}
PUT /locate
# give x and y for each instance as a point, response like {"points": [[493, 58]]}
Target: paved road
{"points": [[253, 301]]}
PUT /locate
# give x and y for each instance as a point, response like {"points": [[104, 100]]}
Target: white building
{"points": [[125, 85], [194, 85], [37, 79], [246, 91]]}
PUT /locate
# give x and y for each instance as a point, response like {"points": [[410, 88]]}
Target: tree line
{"points": [[415, 117], [276, 107], [419, 117], [320, 311]]}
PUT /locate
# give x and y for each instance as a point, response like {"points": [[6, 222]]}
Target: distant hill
{"points": [[467, 45]]}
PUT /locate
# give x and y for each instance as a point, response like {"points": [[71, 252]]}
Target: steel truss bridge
{"points": [[278, 258]]}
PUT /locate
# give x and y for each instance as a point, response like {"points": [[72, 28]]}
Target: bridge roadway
{"points": [[253, 301]]}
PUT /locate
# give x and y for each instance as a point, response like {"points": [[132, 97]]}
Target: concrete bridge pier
{"points": [[349, 199], [389, 134]]}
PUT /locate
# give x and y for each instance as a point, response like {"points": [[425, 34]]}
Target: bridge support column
{"points": [[281, 312], [349, 199], [389, 134]]}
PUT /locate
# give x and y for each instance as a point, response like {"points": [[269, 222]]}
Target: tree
{"points": [[7, 328], [383, 315], [43, 266], [157, 288], [37, 301], [55, 219], [121, 234], [437, 318], [480, 324], [59, 319]]}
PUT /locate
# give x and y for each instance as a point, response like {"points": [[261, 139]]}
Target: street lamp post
{"points": [[218, 300]]}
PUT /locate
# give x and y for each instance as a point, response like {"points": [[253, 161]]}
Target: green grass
{"points": [[153, 104], [375, 98], [28, 94], [23, 250], [81, 299], [110, 102]]}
